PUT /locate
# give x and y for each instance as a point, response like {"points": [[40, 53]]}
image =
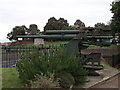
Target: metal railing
{"points": [[11, 55]]}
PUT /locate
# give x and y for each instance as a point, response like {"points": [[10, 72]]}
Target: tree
{"points": [[33, 29], [17, 30], [71, 27], [62, 24], [99, 25], [51, 24], [23, 30], [78, 24], [54, 24], [115, 22]]}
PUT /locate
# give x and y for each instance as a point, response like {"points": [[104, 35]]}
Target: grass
{"points": [[46, 43], [107, 66], [10, 78], [111, 46], [56, 43], [115, 46]]}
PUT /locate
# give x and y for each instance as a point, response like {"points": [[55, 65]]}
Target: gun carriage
{"points": [[78, 41]]}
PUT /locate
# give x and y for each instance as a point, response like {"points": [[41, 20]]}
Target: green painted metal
{"points": [[100, 37], [62, 31], [69, 36], [50, 37], [79, 42], [82, 42], [47, 36]]}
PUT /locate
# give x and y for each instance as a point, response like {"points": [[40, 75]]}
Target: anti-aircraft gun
{"points": [[78, 41], [82, 41]]}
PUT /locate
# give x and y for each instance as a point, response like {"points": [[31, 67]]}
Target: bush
{"points": [[76, 69], [54, 61], [30, 65], [44, 81], [65, 79]]}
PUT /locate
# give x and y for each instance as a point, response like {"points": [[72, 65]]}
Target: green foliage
{"points": [[76, 69], [115, 22], [17, 30], [26, 67], [23, 30], [51, 24], [100, 25], [78, 24], [33, 29], [44, 81], [71, 27], [66, 79], [60, 24], [55, 61]]}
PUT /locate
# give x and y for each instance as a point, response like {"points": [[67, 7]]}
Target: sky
{"points": [[25, 12]]}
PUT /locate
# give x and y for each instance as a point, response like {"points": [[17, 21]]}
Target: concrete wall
{"points": [[107, 53]]}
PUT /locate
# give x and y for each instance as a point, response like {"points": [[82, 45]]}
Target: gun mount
{"points": [[82, 41], [78, 41]]}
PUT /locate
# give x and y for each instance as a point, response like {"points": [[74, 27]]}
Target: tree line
{"points": [[23, 30], [62, 24], [52, 24]]}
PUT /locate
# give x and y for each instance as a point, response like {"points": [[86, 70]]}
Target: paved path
{"points": [[107, 79], [113, 82]]}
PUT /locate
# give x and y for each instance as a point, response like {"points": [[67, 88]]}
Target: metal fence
{"points": [[11, 55]]}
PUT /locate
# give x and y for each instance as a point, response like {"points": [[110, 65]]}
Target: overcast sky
{"points": [[25, 12]]}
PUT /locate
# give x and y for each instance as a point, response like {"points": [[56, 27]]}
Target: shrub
{"points": [[44, 81], [65, 79], [29, 65], [54, 61], [76, 69]]}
